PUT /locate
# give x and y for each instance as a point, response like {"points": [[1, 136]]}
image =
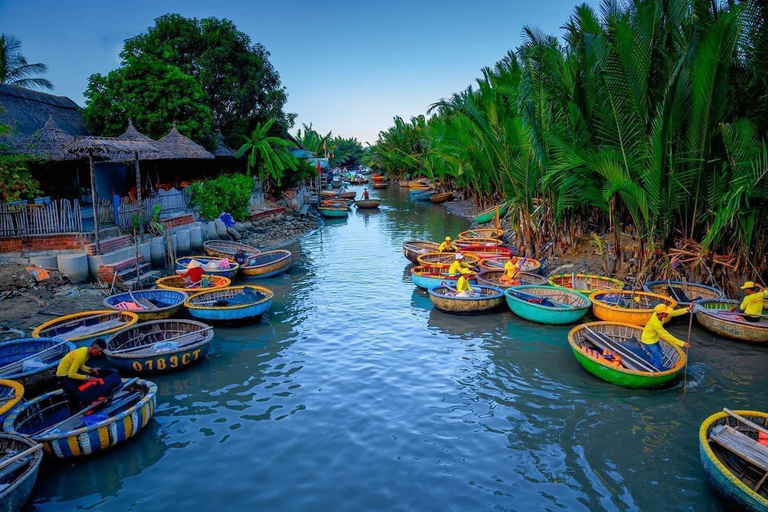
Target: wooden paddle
{"points": [[690, 326], [745, 421], [28, 451]]}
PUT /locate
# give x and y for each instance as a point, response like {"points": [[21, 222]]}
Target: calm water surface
{"points": [[354, 394]]}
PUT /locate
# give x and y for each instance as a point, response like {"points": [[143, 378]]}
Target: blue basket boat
{"points": [[11, 394], [234, 304], [430, 277], [424, 196], [210, 266], [117, 421], [547, 304], [154, 304], [161, 346], [683, 292], [32, 362], [267, 264], [19, 476]]}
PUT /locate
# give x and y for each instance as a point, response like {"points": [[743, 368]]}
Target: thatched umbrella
{"points": [[222, 150], [48, 142], [176, 146], [131, 133]]}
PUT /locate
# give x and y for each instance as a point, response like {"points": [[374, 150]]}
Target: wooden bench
{"points": [[743, 446]]}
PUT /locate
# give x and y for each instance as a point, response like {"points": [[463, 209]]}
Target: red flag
{"points": [[319, 171]]}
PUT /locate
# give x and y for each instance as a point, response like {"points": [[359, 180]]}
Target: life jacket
{"points": [[605, 357]]}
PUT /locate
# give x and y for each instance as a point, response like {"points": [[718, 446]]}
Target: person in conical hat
{"points": [[193, 276]]}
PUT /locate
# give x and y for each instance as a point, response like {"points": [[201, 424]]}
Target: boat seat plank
{"points": [[740, 444], [628, 358]]}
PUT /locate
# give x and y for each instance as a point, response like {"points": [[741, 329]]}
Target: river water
{"points": [[354, 394]]}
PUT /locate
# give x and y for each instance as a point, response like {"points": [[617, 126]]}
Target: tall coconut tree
{"points": [[14, 68]]}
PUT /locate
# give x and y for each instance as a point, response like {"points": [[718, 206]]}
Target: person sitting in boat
{"points": [[654, 331], [241, 257], [72, 372], [447, 246], [458, 266], [752, 305], [512, 268], [463, 288], [193, 276]]}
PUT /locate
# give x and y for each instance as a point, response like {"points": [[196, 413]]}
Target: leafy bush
{"points": [[16, 182], [227, 193]]}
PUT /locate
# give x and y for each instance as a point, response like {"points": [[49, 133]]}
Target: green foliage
{"points": [[304, 170], [312, 141], [226, 193], [344, 151], [267, 155], [14, 68], [16, 182]]}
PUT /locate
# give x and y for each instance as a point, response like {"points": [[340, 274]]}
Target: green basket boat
{"points": [[714, 315], [332, 212], [621, 375], [488, 215], [546, 305]]}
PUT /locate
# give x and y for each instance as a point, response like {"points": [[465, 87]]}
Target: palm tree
{"points": [[268, 155], [14, 68]]}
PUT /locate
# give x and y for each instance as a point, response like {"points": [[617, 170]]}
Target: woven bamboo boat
{"points": [[415, 191], [210, 266], [234, 304], [417, 183], [380, 184], [482, 233], [11, 395], [725, 442], [441, 198], [225, 249], [46, 354], [333, 211], [546, 305], [493, 278], [627, 306], [268, 264], [430, 277], [368, 203], [126, 414], [625, 336], [496, 263], [19, 477], [177, 283], [715, 316], [462, 243], [337, 203], [84, 328], [489, 214], [485, 251], [683, 293], [444, 258], [424, 196], [412, 249], [152, 304], [347, 195], [585, 284], [162, 346], [484, 299]]}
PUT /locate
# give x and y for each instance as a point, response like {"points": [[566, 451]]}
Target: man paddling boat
{"points": [[752, 305], [458, 266], [654, 331], [463, 288], [72, 371], [512, 268]]}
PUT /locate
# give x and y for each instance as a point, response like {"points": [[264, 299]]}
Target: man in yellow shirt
{"points": [[752, 305], [512, 268], [68, 373], [462, 286], [654, 331], [447, 246], [458, 266]]}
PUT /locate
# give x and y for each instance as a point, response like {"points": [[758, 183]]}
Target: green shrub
{"points": [[227, 193]]}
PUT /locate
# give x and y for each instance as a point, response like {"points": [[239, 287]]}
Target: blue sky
{"points": [[348, 66]]}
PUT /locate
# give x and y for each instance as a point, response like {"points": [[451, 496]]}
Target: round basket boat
{"points": [[267, 264], [177, 283], [489, 214], [162, 346], [683, 293], [627, 306], [430, 277], [19, 477], [333, 211], [380, 184], [11, 394], [585, 284], [732, 476], [485, 299], [441, 198], [482, 234], [229, 272], [84, 328], [412, 249], [129, 412], [493, 278], [464, 244], [497, 263], [486, 251], [347, 195], [44, 352], [152, 304], [225, 249], [445, 258], [546, 305], [714, 315], [626, 336], [234, 304], [368, 203]]}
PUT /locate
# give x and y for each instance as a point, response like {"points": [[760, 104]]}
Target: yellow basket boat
{"points": [[177, 283], [85, 327], [626, 306]]}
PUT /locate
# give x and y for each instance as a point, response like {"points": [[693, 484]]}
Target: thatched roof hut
{"points": [[176, 146], [131, 133], [47, 143], [112, 149], [222, 150]]}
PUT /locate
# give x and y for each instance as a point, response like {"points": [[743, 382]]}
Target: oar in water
{"points": [[685, 375]]}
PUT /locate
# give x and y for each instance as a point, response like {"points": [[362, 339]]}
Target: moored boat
{"points": [[424, 196], [486, 251], [48, 421], [347, 195], [546, 305], [32, 362], [83, 328], [418, 183], [489, 214], [11, 395], [380, 185], [734, 462], [215, 266], [333, 211], [430, 277], [20, 461], [497, 263], [226, 249], [445, 258], [441, 198], [715, 315], [683, 292], [612, 351], [161, 346], [267, 264], [585, 284], [368, 203], [177, 283], [461, 243], [482, 233], [627, 306], [412, 249], [493, 278], [151, 304], [234, 304], [482, 300]]}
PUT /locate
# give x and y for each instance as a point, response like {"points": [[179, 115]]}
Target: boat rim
{"points": [[50, 323], [593, 297], [269, 296], [508, 294], [130, 294], [203, 327], [498, 295]]}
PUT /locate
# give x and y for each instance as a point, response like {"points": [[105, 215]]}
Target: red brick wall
{"points": [[119, 242], [64, 242], [181, 220]]}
